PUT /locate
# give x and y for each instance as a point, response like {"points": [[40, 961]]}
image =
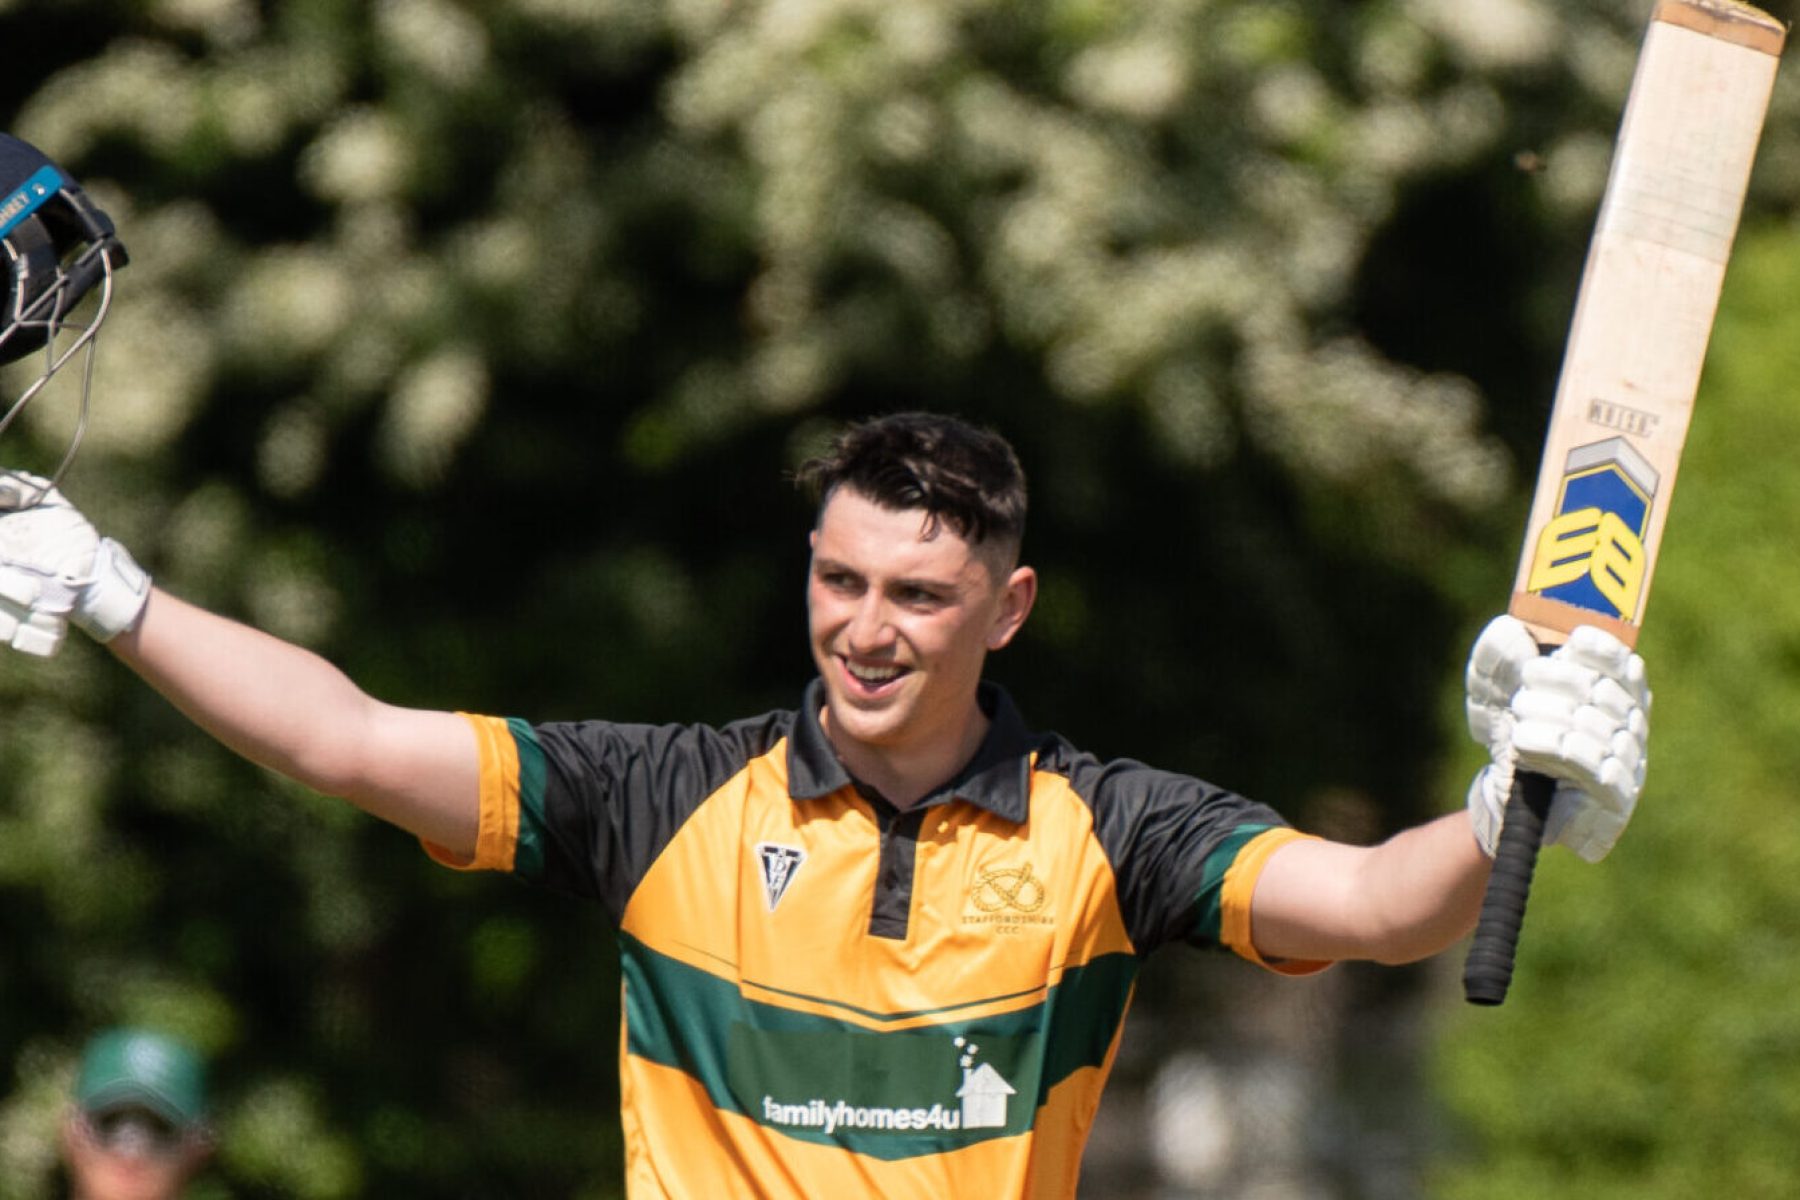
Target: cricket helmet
{"points": [[56, 247]]}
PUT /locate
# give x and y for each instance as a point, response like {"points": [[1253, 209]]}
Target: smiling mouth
{"points": [[871, 676]]}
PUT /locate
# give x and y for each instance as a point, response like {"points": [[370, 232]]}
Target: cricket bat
{"points": [[1643, 315]]}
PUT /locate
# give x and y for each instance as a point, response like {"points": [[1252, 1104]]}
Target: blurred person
{"points": [[136, 1127], [882, 943]]}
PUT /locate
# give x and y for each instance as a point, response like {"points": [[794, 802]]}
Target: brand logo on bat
{"points": [[1591, 553]]}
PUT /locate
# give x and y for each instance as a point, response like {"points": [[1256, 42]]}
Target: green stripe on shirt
{"points": [[1207, 910], [890, 1095], [528, 850]]}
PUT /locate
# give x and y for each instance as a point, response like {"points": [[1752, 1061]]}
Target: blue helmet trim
{"points": [[29, 196]]}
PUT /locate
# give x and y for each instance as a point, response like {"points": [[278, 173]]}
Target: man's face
{"points": [[127, 1155], [901, 624]]}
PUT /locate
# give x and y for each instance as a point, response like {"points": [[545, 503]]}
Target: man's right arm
{"points": [[285, 708], [277, 704]]}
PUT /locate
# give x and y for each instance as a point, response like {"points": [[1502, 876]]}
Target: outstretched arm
{"points": [[287, 709], [1408, 898], [277, 704]]}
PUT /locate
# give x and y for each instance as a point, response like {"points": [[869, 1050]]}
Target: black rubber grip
{"points": [[1488, 971]]}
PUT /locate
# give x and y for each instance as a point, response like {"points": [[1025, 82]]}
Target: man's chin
{"points": [[862, 721]]}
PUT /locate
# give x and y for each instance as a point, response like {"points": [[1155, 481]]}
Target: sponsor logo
{"points": [[1007, 899], [983, 1092], [981, 1103], [1591, 552], [779, 865], [829, 1116]]}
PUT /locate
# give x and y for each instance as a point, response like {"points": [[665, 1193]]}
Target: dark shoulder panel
{"points": [[1159, 830], [613, 795]]}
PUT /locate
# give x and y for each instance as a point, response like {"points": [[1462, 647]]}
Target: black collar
{"points": [[997, 779]]}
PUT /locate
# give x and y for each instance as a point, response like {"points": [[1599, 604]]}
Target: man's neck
{"points": [[906, 775]]}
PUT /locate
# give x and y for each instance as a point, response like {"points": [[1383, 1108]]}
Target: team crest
{"points": [[779, 866], [1007, 899]]}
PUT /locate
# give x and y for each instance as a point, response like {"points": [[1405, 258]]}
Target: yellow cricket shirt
{"points": [[825, 996]]}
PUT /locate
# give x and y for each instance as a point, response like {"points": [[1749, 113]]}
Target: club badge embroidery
{"points": [[1008, 899], [779, 866]]}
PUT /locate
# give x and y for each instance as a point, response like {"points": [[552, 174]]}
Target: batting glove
{"points": [[56, 570], [1579, 714]]}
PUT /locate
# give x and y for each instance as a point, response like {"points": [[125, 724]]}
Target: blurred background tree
{"points": [[469, 342]]}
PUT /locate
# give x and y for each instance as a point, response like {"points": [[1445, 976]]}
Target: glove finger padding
{"points": [[1584, 827], [1600, 651], [1582, 717], [29, 630], [1496, 668], [41, 531], [34, 610]]}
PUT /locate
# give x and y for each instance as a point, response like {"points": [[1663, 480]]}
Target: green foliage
{"points": [[1650, 1047]]}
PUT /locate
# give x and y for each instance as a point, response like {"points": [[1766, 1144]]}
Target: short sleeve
{"points": [[1185, 853], [1223, 906], [583, 808]]}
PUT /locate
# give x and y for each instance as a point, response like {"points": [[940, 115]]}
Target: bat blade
{"points": [[1631, 368]]}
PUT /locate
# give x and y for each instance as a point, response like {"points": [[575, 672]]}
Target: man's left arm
{"points": [[1405, 899], [1579, 715]]}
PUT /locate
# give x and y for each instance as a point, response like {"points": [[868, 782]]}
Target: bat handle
{"points": [[1488, 970]]}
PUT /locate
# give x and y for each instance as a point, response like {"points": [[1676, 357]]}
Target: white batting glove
{"points": [[56, 570], [1579, 715]]}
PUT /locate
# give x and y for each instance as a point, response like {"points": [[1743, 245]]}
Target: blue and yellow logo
{"points": [[1591, 553]]}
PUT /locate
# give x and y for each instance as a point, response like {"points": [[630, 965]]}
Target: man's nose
{"points": [[870, 629]]}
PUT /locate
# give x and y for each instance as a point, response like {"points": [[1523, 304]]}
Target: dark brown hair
{"points": [[966, 477]]}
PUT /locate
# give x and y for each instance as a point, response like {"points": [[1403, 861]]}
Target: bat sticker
{"points": [[1591, 553]]}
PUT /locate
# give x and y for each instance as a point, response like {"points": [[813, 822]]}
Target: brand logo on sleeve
{"points": [[779, 865]]}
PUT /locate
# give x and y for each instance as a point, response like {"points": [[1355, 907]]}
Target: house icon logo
{"points": [[983, 1092]]}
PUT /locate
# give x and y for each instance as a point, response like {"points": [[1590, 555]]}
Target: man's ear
{"points": [[1016, 599]]}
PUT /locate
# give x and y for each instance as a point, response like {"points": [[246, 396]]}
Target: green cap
{"points": [[123, 1067]]}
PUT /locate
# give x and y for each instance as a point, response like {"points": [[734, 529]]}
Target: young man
{"points": [[136, 1129], [883, 943]]}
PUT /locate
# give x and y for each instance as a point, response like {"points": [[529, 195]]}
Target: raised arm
{"points": [[277, 704], [1408, 898], [1579, 715], [287, 709]]}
